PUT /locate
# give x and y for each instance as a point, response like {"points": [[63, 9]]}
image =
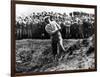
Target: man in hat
{"points": [[54, 31]]}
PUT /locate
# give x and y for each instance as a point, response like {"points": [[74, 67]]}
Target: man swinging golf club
{"points": [[56, 38]]}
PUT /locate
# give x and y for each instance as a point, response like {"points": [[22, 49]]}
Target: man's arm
{"points": [[58, 26]]}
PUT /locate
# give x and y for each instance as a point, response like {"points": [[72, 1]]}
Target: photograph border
{"points": [[13, 37]]}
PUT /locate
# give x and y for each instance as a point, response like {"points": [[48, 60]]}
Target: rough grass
{"points": [[34, 55]]}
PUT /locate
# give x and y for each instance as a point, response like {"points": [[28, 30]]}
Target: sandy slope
{"points": [[36, 55]]}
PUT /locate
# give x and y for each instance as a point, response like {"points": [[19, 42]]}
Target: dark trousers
{"points": [[54, 47], [57, 44]]}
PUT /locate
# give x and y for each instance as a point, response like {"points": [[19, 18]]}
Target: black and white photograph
{"points": [[54, 38]]}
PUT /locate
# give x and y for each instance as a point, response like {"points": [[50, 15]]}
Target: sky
{"points": [[25, 10]]}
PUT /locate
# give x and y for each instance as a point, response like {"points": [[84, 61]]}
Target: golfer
{"points": [[54, 31]]}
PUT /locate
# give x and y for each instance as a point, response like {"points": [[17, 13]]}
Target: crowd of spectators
{"points": [[75, 25]]}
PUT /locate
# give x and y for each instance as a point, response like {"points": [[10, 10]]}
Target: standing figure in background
{"points": [[57, 42]]}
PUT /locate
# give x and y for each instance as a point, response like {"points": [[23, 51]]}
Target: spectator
{"points": [[26, 26]]}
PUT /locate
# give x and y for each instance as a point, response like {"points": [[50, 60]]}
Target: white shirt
{"points": [[52, 27]]}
